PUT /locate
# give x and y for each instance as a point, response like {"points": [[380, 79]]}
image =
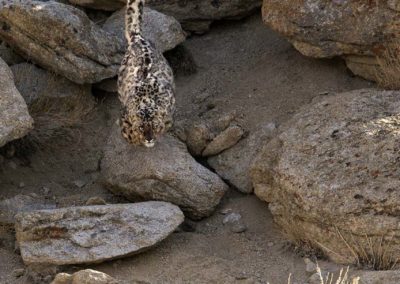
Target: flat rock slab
{"points": [[15, 121], [331, 176], [166, 172], [60, 38], [93, 234]]}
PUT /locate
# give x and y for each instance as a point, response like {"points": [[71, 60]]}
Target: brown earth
{"points": [[242, 66]]}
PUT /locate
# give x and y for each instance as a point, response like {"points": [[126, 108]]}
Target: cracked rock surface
{"points": [[330, 177], [93, 234]]}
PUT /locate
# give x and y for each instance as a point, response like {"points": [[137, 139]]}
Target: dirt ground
{"points": [[242, 66]]}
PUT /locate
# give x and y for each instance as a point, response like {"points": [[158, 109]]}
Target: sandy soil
{"points": [[242, 66]]}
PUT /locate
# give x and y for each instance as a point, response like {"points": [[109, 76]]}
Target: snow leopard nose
{"points": [[149, 144], [148, 134]]}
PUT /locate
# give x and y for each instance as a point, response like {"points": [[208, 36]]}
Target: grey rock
{"points": [[231, 218], [235, 222], [234, 164], [330, 175], [320, 28], [199, 133], [197, 15], [87, 276], [15, 121], [21, 203], [106, 5], [41, 87], [166, 172], [93, 234], [60, 38], [163, 31], [225, 140]]}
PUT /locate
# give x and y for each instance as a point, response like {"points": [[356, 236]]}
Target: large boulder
{"points": [[15, 121], [321, 28], [166, 172], [197, 15], [93, 234], [331, 175], [163, 31], [60, 38]]}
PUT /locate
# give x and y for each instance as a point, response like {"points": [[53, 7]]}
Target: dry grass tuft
{"points": [[329, 278], [375, 255], [372, 253], [302, 246]]}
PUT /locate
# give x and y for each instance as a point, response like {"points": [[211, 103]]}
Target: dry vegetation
{"points": [[368, 253], [372, 253], [329, 278]]}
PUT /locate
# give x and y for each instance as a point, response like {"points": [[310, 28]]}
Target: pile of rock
{"points": [[68, 53]]}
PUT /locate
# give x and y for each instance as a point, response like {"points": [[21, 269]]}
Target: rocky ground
{"points": [[242, 67]]}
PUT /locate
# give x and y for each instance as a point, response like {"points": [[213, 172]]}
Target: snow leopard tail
{"points": [[133, 18]]}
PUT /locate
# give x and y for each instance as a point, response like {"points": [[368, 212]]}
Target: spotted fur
{"points": [[145, 84]]}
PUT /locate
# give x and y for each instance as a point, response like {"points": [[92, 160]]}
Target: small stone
{"points": [[270, 244], [235, 223], [311, 267], [95, 201], [18, 272], [21, 185], [231, 218], [62, 278], [226, 211]]}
